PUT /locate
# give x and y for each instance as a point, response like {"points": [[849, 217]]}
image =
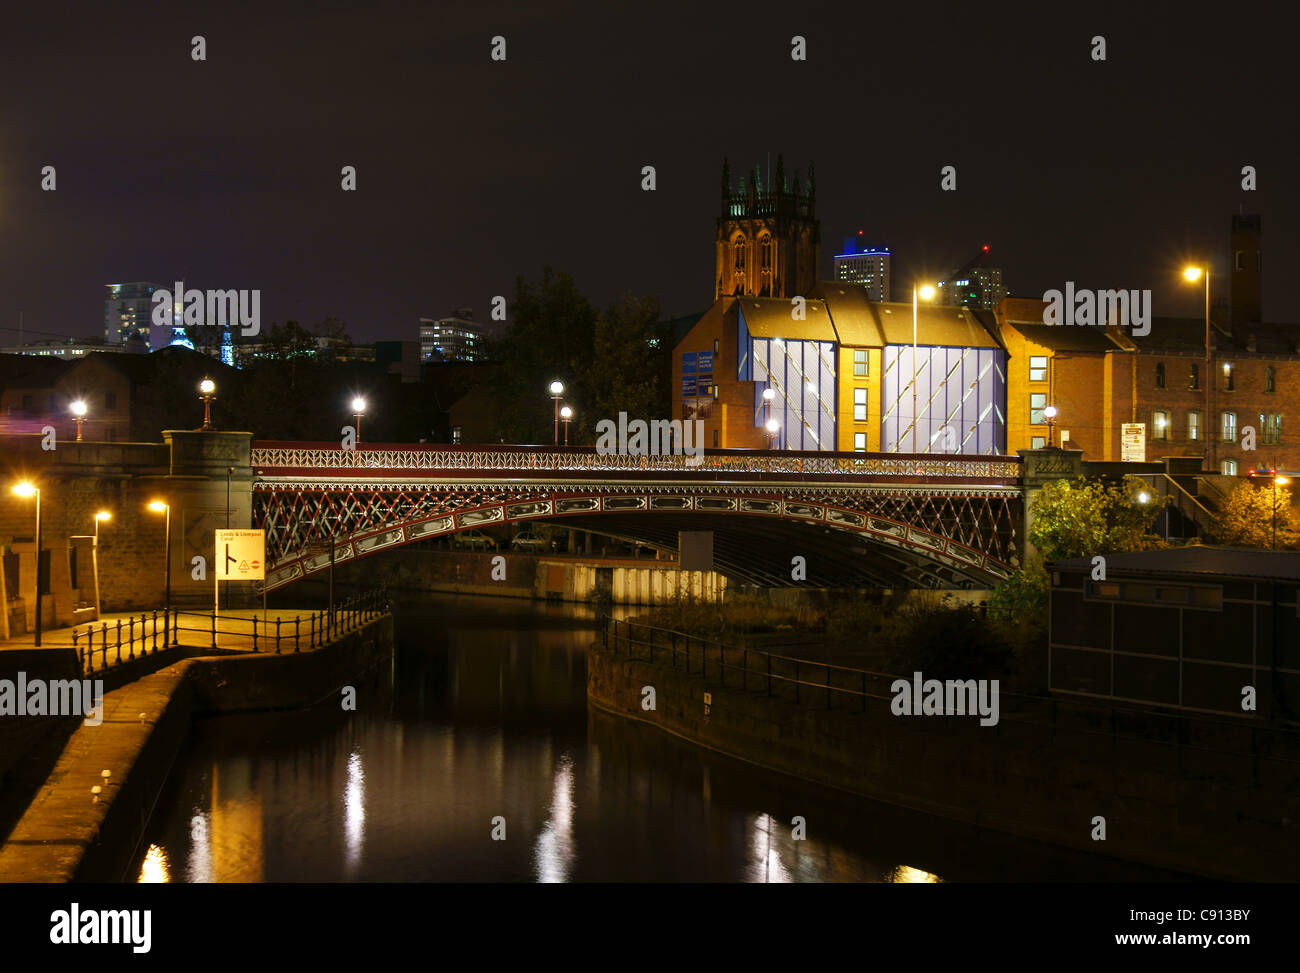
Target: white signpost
{"points": [[1133, 442], [241, 556]]}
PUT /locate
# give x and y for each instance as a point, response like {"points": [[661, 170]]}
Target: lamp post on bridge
{"points": [[557, 389], [78, 408], [207, 392], [566, 414]]}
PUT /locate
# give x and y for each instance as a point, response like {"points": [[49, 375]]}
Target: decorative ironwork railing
{"points": [[544, 461]]}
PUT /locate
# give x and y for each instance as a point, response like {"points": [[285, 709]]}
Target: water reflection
{"points": [[555, 852], [483, 713], [354, 811]]}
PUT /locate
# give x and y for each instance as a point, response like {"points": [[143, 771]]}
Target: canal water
{"points": [[480, 725]]}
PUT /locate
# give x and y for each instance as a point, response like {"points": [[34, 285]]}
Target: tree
{"points": [[1246, 515], [1090, 517], [631, 368], [1080, 519]]}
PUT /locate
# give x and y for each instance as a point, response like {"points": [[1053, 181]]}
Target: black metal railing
{"points": [[821, 685], [124, 640]]}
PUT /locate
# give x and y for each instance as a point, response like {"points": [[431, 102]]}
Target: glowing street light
{"points": [[28, 489], [1194, 274], [1050, 415], [1144, 497], [101, 515], [566, 414], [358, 410], [162, 507], [557, 389], [924, 293], [207, 392], [772, 427], [78, 408], [768, 395]]}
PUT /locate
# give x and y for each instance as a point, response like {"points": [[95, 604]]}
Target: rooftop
{"points": [[1197, 562]]}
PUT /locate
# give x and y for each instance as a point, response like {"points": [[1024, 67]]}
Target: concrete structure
{"points": [[187, 470], [1199, 628], [128, 310]]}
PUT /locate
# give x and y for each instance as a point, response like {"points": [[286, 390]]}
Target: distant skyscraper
{"points": [[128, 309], [975, 285], [454, 338], [869, 266]]}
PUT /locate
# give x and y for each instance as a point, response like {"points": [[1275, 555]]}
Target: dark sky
{"points": [[226, 173]]}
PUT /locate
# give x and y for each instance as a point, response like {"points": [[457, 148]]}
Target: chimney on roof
{"points": [[1246, 303]]}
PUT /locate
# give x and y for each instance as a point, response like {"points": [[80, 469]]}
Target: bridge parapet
{"points": [[307, 458]]}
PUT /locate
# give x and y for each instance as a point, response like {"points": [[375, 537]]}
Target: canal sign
{"points": [[241, 555]]}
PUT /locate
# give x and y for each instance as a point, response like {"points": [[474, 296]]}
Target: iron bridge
{"points": [[858, 519]]}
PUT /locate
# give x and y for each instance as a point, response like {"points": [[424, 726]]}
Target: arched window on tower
{"points": [[739, 245], [765, 248]]}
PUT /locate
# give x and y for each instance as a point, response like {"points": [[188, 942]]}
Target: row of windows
{"points": [[1038, 373], [1269, 429], [1229, 377]]}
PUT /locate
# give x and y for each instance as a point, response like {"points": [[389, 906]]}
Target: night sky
{"points": [[226, 173]]}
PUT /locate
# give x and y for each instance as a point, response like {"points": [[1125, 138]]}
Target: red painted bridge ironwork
{"points": [[928, 520]]}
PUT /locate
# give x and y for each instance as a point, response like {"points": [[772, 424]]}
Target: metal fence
{"points": [[131, 638], [825, 686]]}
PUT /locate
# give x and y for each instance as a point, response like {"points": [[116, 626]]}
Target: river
{"points": [[480, 727]]}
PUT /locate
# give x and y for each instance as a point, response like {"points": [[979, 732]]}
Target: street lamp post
{"points": [[28, 489], [358, 410], [1050, 415], [557, 389], [207, 392], [1211, 441], [161, 507], [566, 414], [78, 408], [772, 427], [924, 293], [101, 515]]}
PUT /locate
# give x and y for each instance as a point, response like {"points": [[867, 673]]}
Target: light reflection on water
{"points": [[483, 715]]}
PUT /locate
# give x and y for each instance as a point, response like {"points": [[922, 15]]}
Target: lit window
{"points": [[1229, 467], [1160, 424], [1038, 368], [859, 442], [455, 434], [1228, 372], [859, 405], [1194, 377], [1229, 426], [1037, 403], [860, 361], [1193, 426], [1037, 442], [1270, 427]]}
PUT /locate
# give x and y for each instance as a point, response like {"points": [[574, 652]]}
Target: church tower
{"points": [[768, 235]]}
